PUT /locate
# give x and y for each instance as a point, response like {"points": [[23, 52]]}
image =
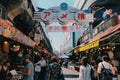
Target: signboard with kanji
{"points": [[63, 28], [64, 14], [9, 31]]}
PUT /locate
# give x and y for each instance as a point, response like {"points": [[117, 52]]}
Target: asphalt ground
{"points": [[70, 74]]}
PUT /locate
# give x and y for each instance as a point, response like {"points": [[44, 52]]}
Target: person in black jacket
{"points": [[4, 70]]}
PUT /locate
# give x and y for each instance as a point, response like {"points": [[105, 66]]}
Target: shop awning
{"points": [[111, 30], [105, 33], [98, 37]]}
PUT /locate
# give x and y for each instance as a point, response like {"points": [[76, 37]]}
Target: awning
{"points": [[98, 37], [105, 33], [111, 30]]}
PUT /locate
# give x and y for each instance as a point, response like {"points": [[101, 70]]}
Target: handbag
{"points": [[93, 75]]}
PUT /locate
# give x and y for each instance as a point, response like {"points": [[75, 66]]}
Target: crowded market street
{"points": [[59, 39]]}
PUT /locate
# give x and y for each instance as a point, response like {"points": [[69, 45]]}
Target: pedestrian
{"points": [[28, 71], [55, 71], [43, 64], [85, 69], [107, 14], [4, 70], [115, 72], [115, 68], [37, 70], [105, 64]]}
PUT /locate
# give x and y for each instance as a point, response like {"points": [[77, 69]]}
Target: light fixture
{"points": [[107, 47], [103, 47]]}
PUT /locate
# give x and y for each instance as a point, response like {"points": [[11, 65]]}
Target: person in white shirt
{"points": [[37, 70], [43, 64], [105, 63], [85, 70]]}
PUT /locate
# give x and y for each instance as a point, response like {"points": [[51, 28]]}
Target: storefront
{"points": [[107, 41], [11, 39]]}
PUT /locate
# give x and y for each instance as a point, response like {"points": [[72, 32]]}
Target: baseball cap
{"points": [[27, 56]]}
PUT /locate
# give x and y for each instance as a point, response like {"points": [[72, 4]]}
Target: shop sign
{"points": [[7, 30], [37, 38], [76, 50], [63, 28], [6, 33], [89, 46], [64, 14], [1, 30]]}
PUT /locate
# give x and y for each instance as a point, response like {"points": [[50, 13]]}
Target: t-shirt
{"points": [[84, 72], [38, 67], [106, 65], [27, 67], [42, 63]]}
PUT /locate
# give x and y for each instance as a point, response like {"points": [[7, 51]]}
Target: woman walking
{"points": [[85, 70]]}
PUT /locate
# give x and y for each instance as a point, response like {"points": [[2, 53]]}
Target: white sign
{"points": [[37, 38], [64, 14], [63, 28], [46, 15]]}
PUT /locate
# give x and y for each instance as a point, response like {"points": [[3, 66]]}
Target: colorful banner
{"points": [[8, 31]]}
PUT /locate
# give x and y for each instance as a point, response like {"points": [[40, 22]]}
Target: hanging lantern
{"points": [[5, 47]]}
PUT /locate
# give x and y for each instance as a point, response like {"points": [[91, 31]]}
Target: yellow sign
{"points": [[76, 50], [89, 46]]}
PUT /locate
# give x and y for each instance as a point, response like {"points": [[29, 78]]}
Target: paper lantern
{"points": [[5, 47]]}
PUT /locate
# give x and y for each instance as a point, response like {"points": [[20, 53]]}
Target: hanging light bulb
{"points": [[5, 46], [103, 48], [107, 47], [99, 48], [114, 47]]}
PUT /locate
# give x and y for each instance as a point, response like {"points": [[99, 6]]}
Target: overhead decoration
{"points": [[64, 14], [63, 28]]}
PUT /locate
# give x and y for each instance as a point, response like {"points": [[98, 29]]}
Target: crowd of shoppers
{"points": [[51, 69], [104, 63]]}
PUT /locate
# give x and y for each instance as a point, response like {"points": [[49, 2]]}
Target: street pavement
{"points": [[70, 74]]}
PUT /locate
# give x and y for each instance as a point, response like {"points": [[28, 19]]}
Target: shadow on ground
{"points": [[71, 76]]}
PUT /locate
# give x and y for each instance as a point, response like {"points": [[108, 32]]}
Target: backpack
{"points": [[106, 74], [55, 70]]}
